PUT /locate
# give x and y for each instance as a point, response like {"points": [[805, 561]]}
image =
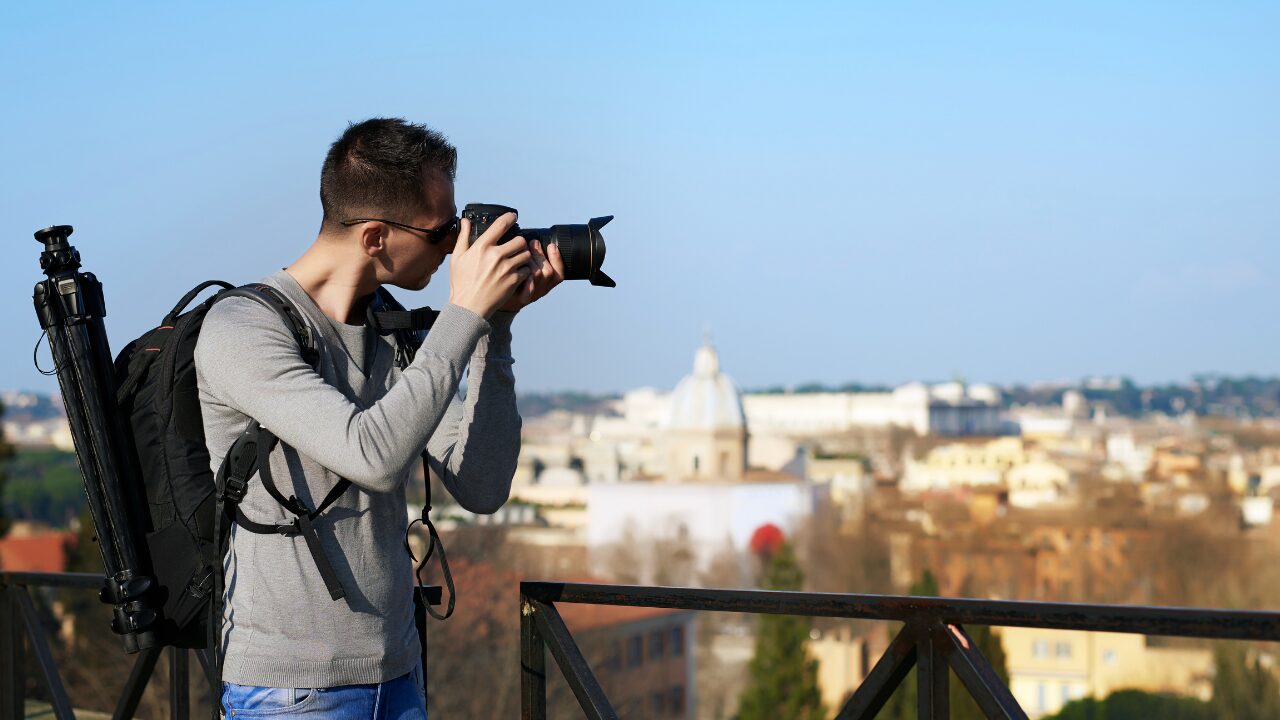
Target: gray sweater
{"points": [[356, 416]]}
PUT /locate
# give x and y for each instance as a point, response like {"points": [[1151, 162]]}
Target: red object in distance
{"points": [[767, 539]]}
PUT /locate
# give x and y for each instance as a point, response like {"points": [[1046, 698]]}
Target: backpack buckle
{"points": [[240, 463], [289, 529], [235, 488]]}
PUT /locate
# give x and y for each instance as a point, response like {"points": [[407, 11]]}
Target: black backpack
{"points": [[189, 509]]}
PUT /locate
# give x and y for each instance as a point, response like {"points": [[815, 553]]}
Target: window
{"points": [[635, 651], [1041, 693], [677, 641], [1062, 651], [1066, 693], [1039, 649], [613, 660], [658, 704], [1110, 657], [676, 701], [656, 644]]}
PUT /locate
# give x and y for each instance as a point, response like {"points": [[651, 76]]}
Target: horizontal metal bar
{"points": [[95, 581], [41, 579], [1145, 620]]}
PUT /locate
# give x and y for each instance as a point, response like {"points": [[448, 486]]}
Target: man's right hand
{"points": [[484, 274]]}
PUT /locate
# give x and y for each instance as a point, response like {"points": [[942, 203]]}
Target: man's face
{"points": [[410, 259]]}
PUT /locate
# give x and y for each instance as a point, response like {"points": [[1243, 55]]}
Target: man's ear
{"points": [[373, 238]]}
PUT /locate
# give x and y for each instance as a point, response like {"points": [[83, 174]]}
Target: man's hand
{"points": [[483, 275], [548, 272]]}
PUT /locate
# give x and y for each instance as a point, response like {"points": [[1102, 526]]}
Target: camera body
{"points": [[581, 246]]}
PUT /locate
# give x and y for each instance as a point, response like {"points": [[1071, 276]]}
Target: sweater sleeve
{"points": [[247, 359], [475, 449]]}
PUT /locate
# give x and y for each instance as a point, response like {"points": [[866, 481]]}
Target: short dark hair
{"points": [[377, 168]]}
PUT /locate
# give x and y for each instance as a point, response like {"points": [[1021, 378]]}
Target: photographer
{"points": [[386, 189]]}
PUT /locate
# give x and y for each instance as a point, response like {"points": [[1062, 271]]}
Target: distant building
{"points": [[844, 659], [705, 433], [705, 497], [951, 409], [643, 656], [52, 432], [1049, 668], [1028, 475], [34, 550], [708, 516], [1132, 459], [1256, 511]]}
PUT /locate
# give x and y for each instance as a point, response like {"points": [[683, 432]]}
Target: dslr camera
{"points": [[581, 246]]}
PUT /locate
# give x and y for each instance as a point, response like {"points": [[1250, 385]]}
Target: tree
{"points": [[6, 452], [1243, 690], [784, 679], [902, 705], [1135, 705]]}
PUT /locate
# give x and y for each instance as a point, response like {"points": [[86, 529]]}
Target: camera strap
{"points": [[387, 316]]}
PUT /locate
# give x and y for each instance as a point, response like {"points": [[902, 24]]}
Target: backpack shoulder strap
{"points": [[272, 298]]}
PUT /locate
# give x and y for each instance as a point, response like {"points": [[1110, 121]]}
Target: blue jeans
{"points": [[398, 699]]}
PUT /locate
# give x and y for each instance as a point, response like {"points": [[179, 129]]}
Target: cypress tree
{"points": [[784, 679]]}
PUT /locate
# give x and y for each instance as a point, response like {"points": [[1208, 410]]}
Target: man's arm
{"points": [[475, 449], [474, 452], [247, 360]]}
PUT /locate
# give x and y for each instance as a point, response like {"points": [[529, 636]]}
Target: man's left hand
{"points": [[547, 272]]}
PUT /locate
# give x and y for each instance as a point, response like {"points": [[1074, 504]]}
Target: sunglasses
{"points": [[435, 237]]}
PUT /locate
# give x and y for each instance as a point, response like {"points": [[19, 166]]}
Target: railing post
{"points": [[533, 665], [932, 675], [13, 664], [179, 684]]}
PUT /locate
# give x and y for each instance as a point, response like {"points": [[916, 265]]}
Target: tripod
{"points": [[70, 307]]}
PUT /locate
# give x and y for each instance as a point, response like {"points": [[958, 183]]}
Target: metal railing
{"points": [[20, 620], [932, 638], [23, 629]]}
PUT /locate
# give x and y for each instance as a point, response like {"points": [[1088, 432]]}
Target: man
{"points": [[386, 189]]}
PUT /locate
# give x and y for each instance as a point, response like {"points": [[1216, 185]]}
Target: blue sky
{"points": [[841, 191]]}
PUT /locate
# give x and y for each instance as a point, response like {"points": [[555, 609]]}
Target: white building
{"points": [[708, 515], [704, 496], [946, 409]]}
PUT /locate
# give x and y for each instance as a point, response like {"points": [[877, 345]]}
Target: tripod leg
{"points": [[179, 684], [137, 683]]}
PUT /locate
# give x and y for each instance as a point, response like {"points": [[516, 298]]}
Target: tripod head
{"points": [[59, 256]]}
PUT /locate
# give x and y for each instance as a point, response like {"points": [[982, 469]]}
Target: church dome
{"points": [[706, 399]]}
